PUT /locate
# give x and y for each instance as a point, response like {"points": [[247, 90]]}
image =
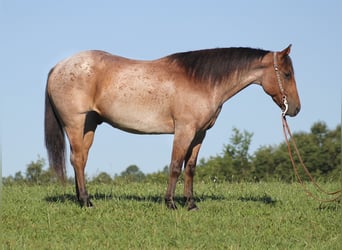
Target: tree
{"points": [[159, 176], [217, 169], [103, 177], [233, 163], [132, 174], [238, 151], [320, 150], [34, 170], [35, 173], [272, 162], [18, 177]]}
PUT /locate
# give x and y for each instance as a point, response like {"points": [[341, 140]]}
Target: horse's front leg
{"points": [[181, 143], [190, 167]]}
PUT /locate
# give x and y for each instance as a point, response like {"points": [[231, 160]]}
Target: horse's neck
{"points": [[238, 82]]}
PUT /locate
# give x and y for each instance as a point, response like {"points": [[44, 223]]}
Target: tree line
{"points": [[320, 149]]}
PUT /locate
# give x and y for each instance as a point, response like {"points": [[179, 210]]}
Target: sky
{"points": [[38, 34]]}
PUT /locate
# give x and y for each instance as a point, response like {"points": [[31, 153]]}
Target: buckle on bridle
{"points": [[283, 112]]}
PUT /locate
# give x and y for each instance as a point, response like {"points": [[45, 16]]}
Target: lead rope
{"points": [[287, 134]]}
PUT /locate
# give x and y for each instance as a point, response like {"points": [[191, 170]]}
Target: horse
{"points": [[180, 94]]}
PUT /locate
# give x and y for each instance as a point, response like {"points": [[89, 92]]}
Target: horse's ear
{"points": [[286, 51]]}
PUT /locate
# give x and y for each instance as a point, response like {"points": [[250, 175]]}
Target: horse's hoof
{"points": [[193, 207], [190, 202], [89, 204], [170, 204]]}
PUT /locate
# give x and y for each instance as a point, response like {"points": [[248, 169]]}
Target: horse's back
{"points": [[83, 64], [129, 94]]}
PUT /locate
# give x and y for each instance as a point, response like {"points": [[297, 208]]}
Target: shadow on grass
{"points": [[266, 199], [332, 206], [61, 198], [131, 197]]}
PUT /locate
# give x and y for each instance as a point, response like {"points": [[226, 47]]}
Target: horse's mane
{"points": [[214, 65]]}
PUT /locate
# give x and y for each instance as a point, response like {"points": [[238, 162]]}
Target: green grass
{"points": [[133, 216]]}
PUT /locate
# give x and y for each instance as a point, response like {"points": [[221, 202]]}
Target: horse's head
{"points": [[279, 82]]}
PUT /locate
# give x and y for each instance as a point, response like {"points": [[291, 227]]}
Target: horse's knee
{"points": [[190, 168], [75, 161], [76, 157], [175, 170]]}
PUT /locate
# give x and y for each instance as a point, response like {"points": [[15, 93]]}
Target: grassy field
{"points": [[133, 216]]}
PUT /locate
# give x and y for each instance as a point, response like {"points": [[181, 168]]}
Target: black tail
{"points": [[54, 139]]}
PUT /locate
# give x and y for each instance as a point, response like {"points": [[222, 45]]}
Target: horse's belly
{"points": [[140, 121], [139, 106]]}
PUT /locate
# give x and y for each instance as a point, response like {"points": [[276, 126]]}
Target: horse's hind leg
{"points": [[81, 138]]}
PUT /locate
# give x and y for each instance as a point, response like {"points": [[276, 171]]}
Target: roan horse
{"points": [[180, 94]]}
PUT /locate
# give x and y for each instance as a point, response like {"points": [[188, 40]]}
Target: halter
{"points": [[280, 83]]}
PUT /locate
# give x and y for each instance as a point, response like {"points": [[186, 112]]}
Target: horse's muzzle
{"points": [[293, 111]]}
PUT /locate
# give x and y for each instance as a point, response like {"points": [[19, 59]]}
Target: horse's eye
{"points": [[287, 75]]}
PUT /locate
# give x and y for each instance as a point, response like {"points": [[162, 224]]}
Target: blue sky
{"points": [[37, 34]]}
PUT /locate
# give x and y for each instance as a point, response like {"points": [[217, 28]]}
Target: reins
{"points": [[288, 135]]}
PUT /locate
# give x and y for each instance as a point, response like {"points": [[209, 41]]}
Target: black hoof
{"points": [[89, 204], [190, 202], [170, 204], [193, 208], [86, 203]]}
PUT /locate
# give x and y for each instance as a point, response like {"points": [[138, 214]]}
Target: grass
{"points": [[133, 216]]}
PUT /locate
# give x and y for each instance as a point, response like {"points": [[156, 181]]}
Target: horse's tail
{"points": [[54, 138]]}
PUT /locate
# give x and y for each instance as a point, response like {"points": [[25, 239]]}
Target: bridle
{"points": [[288, 135], [280, 83]]}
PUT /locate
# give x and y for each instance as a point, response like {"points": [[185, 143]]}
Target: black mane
{"points": [[214, 65]]}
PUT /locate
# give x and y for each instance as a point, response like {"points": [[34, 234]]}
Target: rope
{"points": [[288, 134]]}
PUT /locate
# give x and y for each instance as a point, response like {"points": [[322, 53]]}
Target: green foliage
{"points": [[231, 216], [238, 151], [34, 175], [243, 215], [131, 174], [270, 163], [233, 164], [326, 149], [158, 177], [103, 177], [320, 150], [34, 171]]}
